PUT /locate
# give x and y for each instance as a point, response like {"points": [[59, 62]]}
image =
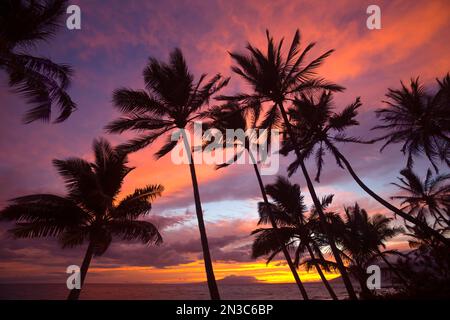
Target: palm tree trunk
{"points": [[75, 293], [362, 279], [317, 204], [274, 226], [386, 204], [320, 272], [212, 285], [316, 264]]}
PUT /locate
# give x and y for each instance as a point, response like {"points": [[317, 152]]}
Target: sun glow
{"points": [[194, 272]]}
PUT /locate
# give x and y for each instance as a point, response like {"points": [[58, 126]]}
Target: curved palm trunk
{"points": [[274, 226], [317, 204], [212, 285], [320, 272], [75, 293], [394, 209]]}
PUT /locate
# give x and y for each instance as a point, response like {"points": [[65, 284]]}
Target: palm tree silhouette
{"points": [[276, 79], [425, 198], [41, 81], [90, 212], [426, 267], [363, 238], [317, 128], [232, 116], [418, 120], [423, 242], [288, 212], [360, 237], [171, 103]]}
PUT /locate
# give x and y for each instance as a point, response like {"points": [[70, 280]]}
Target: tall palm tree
{"points": [[288, 214], [425, 198], [418, 120], [360, 237], [232, 117], [318, 128], [23, 23], [277, 79], [170, 104], [91, 211]]}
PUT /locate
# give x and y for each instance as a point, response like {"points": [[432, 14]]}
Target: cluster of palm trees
{"points": [[359, 236], [285, 93]]}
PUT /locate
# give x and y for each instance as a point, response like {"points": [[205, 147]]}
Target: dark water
{"points": [[167, 291]]}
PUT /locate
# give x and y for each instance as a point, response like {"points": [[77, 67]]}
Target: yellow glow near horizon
{"points": [[194, 272]]}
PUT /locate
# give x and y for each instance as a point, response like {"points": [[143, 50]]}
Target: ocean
{"points": [[198, 291]]}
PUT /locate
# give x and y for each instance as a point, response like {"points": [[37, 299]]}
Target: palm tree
{"points": [[418, 120], [360, 237], [288, 212], [231, 116], [276, 79], [91, 211], [44, 83], [363, 237], [426, 268], [171, 103], [429, 197], [318, 128]]}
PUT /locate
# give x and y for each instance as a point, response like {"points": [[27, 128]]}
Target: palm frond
{"points": [[166, 148], [79, 178], [137, 102], [40, 90], [268, 240], [138, 203], [346, 118], [142, 231], [43, 207], [37, 229], [140, 142]]}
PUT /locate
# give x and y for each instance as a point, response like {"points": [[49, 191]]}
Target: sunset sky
{"points": [[111, 50]]}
